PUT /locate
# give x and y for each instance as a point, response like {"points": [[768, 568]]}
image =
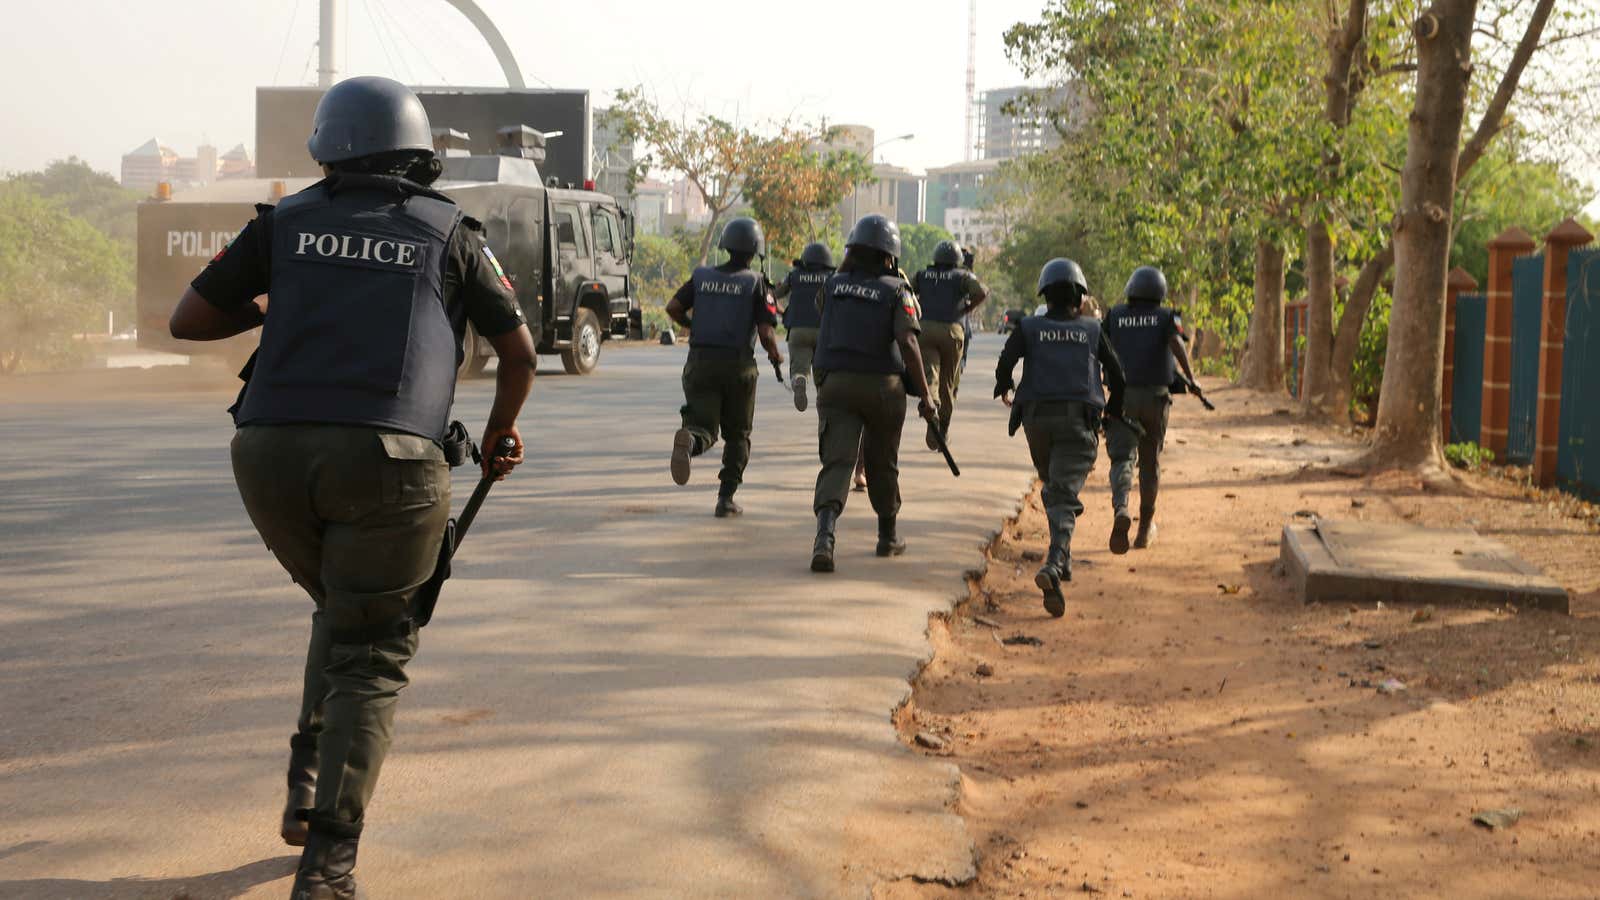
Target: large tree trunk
{"points": [[1262, 369], [1408, 412], [1347, 341], [1319, 316]]}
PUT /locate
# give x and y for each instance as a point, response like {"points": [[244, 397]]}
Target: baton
{"points": [[777, 369], [944, 448], [455, 530], [1200, 395]]}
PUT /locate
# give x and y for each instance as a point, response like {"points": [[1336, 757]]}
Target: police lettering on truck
{"points": [[202, 244]]}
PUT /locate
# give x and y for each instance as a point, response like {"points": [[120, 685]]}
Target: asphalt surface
{"points": [[620, 695]]}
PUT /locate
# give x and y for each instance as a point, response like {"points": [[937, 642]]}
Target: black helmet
{"points": [[947, 254], [1147, 283], [877, 232], [1060, 270], [741, 235], [817, 255], [366, 115]]}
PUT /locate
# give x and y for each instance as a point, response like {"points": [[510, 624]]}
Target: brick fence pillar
{"points": [[1460, 280], [1514, 242], [1552, 342]]}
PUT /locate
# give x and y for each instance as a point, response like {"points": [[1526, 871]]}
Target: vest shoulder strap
{"points": [[439, 216]]}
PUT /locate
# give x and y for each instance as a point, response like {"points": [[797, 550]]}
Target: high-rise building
{"points": [[153, 162], [1004, 134], [613, 158], [236, 163], [896, 192]]}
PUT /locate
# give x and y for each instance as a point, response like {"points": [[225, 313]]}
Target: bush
{"points": [[1468, 455]]}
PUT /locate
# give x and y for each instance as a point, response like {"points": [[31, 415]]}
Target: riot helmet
{"points": [[368, 115], [817, 256], [1147, 283], [1062, 271], [741, 236], [876, 232], [947, 254]]}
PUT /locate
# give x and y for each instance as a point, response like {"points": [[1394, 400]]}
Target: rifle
{"points": [[944, 448], [454, 532]]}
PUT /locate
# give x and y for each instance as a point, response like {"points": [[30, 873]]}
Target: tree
{"points": [[1408, 430], [787, 178], [93, 196], [58, 273], [917, 242]]}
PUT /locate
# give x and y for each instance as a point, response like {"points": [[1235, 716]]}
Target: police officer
{"points": [[802, 317], [1059, 405], [866, 350], [338, 457], [1148, 339], [947, 292], [732, 305]]}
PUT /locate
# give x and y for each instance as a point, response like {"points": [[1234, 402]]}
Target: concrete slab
{"points": [[1350, 561]]}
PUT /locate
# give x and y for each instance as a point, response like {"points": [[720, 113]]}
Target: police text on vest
{"points": [[349, 246]]}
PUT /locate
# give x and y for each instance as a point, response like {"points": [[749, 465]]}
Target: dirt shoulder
{"points": [[1190, 730]]}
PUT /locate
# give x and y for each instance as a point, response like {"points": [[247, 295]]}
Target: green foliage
{"points": [[1506, 189], [1367, 376], [1468, 455], [917, 241], [787, 177], [58, 275], [92, 196]]}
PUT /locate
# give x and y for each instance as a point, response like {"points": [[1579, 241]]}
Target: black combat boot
{"points": [[682, 449], [1119, 532], [1147, 531], [302, 788], [726, 507], [889, 544], [1049, 579], [822, 550], [327, 869]]}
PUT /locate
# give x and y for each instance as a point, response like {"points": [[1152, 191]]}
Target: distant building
{"points": [[896, 192], [236, 163], [962, 186], [688, 205], [613, 159], [652, 202], [1003, 135], [973, 227], [147, 165], [153, 162]]}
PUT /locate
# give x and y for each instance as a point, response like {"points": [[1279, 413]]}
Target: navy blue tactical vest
{"points": [[724, 310], [858, 325], [1061, 362], [805, 286], [942, 292], [1140, 333], [356, 331]]}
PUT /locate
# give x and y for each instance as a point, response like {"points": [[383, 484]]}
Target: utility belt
{"points": [[1068, 409]]}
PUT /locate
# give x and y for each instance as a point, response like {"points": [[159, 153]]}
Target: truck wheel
{"points": [[584, 355], [472, 364]]}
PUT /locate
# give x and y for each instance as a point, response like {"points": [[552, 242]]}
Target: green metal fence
{"points": [[1578, 453], [1527, 308]]}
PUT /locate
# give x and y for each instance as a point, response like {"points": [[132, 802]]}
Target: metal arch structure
{"points": [[491, 35], [328, 42]]}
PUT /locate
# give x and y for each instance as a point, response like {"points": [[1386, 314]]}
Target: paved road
{"points": [[621, 696]]}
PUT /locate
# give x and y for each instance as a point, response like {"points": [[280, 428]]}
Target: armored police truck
{"points": [[565, 250]]}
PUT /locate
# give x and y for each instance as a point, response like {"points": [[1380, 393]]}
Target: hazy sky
{"points": [[96, 78]]}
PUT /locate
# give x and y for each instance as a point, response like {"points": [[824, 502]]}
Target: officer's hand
{"points": [[775, 358], [1007, 398], [927, 409], [503, 465]]}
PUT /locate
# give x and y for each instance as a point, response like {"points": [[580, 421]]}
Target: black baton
{"points": [[455, 530], [777, 369], [944, 448]]}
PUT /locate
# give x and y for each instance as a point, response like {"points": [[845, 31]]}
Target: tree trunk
{"points": [[1408, 412], [1319, 317], [1262, 369], [1347, 341]]}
